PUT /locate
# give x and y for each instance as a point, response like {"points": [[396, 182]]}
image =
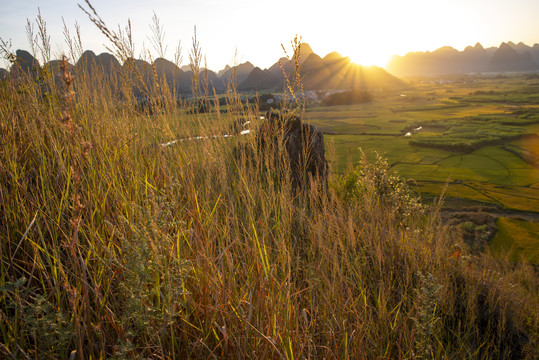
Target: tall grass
{"points": [[113, 246]]}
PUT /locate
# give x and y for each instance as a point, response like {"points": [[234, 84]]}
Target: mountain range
{"points": [[333, 72], [508, 57]]}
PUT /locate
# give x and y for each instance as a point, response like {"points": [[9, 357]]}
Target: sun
{"points": [[369, 57]]}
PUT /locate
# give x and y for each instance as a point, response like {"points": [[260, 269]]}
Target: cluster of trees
{"points": [[348, 98]]}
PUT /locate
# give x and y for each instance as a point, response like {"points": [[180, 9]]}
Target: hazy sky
{"points": [[370, 32]]}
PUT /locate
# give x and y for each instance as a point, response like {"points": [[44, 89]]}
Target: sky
{"points": [[235, 31]]}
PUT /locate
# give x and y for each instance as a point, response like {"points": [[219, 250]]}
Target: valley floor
{"points": [[473, 138]]}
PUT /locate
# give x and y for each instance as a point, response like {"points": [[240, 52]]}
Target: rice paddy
{"points": [[473, 138], [447, 111]]}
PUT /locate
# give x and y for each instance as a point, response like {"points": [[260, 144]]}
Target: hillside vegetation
{"points": [[116, 246]]}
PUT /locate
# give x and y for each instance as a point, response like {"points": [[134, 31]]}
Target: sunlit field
{"points": [[444, 112], [445, 118], [516, 239]]}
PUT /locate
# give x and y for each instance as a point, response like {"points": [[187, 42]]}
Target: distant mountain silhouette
{"points": [[87, 60], [334, 63], [535, 52], [522, 48], [55, 68], [140, 74], [171, 75], [260, 79], [317, 73], [337, 72], [25, 63], [90, 64], [331, 72], [283, 64], [224, 70], [237, 73], [507, 58], [305, 52], [108, 62], [446, 60], [286, 66], [214, 82], [473, 59]]}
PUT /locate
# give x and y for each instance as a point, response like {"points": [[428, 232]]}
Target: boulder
{"points": [[304, 146]]}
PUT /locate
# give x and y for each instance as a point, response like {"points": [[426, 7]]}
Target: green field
{"points": [[478, 135], [497, 120], [517, 239]]}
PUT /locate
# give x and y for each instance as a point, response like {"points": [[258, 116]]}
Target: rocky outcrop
{"points": [[304, 146]]}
